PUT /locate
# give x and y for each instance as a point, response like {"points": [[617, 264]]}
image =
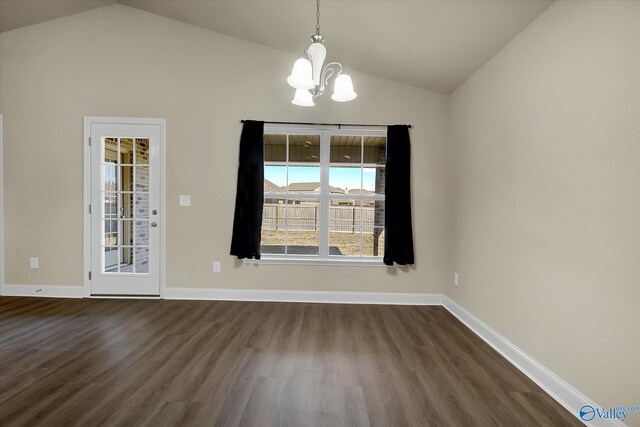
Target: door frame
{"points": [[86, 252]]}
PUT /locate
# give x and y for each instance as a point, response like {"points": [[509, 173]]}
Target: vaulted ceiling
{"points": [[433, 44]]}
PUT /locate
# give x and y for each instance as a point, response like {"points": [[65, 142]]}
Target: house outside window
{"points": [[323, 195]]}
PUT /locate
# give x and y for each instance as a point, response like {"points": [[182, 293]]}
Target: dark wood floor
{"points": [[70, 362]]}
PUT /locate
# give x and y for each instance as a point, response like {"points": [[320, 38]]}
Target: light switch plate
{"points": [[185, 200], [216, 266], [456, 279]]}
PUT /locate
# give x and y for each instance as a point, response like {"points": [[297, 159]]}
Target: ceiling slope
{"points": [[435, 44], [430, 44], [21, 13]]}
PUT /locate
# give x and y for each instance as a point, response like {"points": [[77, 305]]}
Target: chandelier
{"points": [[310, 79]]}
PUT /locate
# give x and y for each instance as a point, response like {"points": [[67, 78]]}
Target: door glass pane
{"points": [[142, 260], [141, 208], [110, 150], [109, 177], [110, 259], [126, 205], [110, 205], [142, 151], [126, 263], [126, 151], [142, 233], [126, 232], [126, 178], [142, 179], [110, 233]]}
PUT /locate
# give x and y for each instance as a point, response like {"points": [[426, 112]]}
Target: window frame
{"points": [[324, 198]]}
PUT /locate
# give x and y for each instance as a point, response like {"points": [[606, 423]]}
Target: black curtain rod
{"points": [[321, 124]]}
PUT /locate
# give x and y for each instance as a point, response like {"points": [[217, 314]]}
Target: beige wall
{"points": [[118, 61], [545, 165]]}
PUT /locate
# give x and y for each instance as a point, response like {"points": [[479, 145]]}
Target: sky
{"points": [[341, 177]]}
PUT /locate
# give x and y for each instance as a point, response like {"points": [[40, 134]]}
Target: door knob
{"points": [[154, 212], [154, 224]]}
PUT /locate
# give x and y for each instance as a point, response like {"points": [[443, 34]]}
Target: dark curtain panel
{"points": [[247, 222], [398, 233]]}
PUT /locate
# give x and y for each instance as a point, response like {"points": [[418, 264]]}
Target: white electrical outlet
{"points": [[456, 279], [185, 200], [216, 266], [34, 262]]}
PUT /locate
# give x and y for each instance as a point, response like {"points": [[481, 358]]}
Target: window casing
{"points": [[324, 196]]}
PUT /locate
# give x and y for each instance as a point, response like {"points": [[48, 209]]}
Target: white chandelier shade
{"points": [[301, 77], [343, 89], [303, 98], [310, 75]]}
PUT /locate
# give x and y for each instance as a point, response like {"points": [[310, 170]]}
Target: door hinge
{"points": [[89, 275], [89, 208], [89, 141]]}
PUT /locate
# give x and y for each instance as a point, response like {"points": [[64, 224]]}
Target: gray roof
{"points": [[270, 187], [308, 187], [357, 191], [312, 187]]}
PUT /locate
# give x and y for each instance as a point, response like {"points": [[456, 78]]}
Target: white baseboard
{"points": [[570, 398], [42, 291], [303, 296]]}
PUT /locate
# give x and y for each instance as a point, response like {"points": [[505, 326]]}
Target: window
{"points": [[323, 195]]}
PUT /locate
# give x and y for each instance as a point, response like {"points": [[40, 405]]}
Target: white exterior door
{"points": [[125, 209]]}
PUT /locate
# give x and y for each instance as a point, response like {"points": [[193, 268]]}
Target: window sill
{"points": [[352, 262]]}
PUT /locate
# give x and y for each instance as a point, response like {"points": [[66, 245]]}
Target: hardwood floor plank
{"points": [[108, 362]]}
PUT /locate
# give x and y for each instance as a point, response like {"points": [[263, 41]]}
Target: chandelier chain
{"points": [[317, 17]]}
